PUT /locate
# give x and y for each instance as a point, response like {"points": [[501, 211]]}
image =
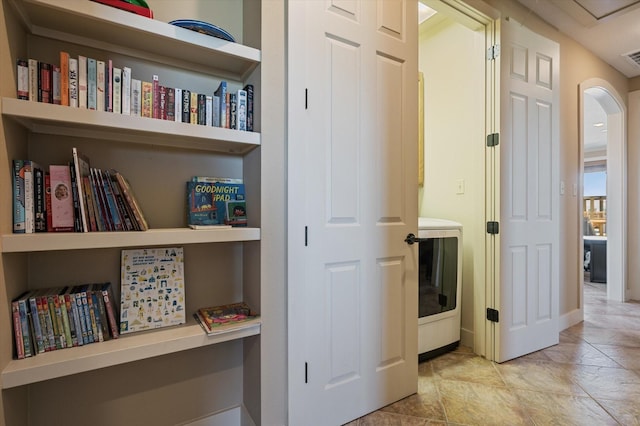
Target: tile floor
{"points": [[591, 378]]}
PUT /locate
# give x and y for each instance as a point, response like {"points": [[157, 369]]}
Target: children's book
{"points": [[152, 293], [225, 318], [209, 200]]}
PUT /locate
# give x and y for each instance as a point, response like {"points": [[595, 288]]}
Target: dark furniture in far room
{"points": [[597, 246]]}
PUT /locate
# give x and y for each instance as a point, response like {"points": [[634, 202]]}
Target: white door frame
{"points": [[616, 112]]}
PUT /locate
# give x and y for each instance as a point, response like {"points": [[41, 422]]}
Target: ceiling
{"points": [[608, 28]]}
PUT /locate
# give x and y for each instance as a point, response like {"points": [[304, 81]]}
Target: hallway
{"points": [[592, 377]]}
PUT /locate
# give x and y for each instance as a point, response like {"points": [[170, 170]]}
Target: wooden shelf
{"points": [[56, 241], [94, 24], [128, 348], [67, 121]]}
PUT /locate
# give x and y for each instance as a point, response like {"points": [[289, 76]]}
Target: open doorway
{"points": [[603, 162]]}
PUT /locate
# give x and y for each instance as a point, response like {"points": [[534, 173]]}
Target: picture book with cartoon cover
{"points": [[216, 201]]}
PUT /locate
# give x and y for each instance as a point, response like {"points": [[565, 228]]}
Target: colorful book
{"points": [[186, 106], [73, 83], [162, 100], [209, 110], [155, 97], [33, 79], [170, 114], [82, 169], [132, 201], [61, 197], [136, 97], [116, 82], [101, 86], [82, 81], [92, 84], [64, 78], [226, 318], [241, 110], [221, 93], [201, 113], [193, 108], [44, 83], [126, 91], [147, 99], [19, 224], [111, 309], [249, 89], [22, 75], [39, 346], [39, 202], [29, 196], [207, 199], [56, 92], [157, 274]]}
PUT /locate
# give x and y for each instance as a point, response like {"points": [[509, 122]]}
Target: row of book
{"points": [[73, 197], [226, 318], [216, 202], [85, 82], [56, 318]]}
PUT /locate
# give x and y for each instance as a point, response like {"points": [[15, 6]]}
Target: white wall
{"points": [[452, 58]]}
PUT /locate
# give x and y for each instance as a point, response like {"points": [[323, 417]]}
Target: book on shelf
{"points": [[128, 6], [39, 202], [221, 93], [209, 110], [116, 82], [152, 289], [64, 78], [108, 85], [186, 106], [101, 85], [56, 93], [193, 108], [241, 110], [126, 91], [155, 97], [210, 198], [226, 318], [147, 99], [82, 81], [73, 83], [33, 79], [136, 97], [19, 224], [249, 89], [132, 201], [92, 84], [178, 104], [22, 79], [162, 101], [82, 169], [62, 214], [44, 82], [233, 110]]}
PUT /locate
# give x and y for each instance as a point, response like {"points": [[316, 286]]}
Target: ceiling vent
{"points": [[633, 57]]}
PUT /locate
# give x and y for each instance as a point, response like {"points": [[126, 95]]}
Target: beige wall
{"points": [[577, 64], [451, 58]]}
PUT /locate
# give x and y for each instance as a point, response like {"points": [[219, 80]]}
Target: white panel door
{"points": [[529, 192], [353, 113]]}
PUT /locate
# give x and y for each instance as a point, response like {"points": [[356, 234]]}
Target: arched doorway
{"points": [[616, 187]]}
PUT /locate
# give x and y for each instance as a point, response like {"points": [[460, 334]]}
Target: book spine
{"points": [[26, 330], [29, 223], [92, 84], [43, 306], [23, 79], [69, 303], [17, 330], [37, 326], [209, 110], [84, 336], [40, 214], [113, 208], [19, 224], [155, 98], [66, 324], [82, 81], [132, 202], [233, 111], [33, 80], [102, 202], [117, 90], [108, 84], [221, 93], [56, 91], [171, 104], [77, 212], [107, 295], [100, 86], [73, 82], [64, 78], [87, 316], [177, 115], [216, 111], [101, 313], [241, 119], [227, 109], [136, 97], [147, 99], [162, 96], [126, 91], [91, 211], [56, 321], [186, 106], [128, 221], [249, 89], [193, 108], [44, 83], [93, 315], [202, 109]]}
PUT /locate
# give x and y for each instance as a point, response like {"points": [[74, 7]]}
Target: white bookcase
{"points": [[174, 375]]}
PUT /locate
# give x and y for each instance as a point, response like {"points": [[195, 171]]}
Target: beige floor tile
{"points": [[380, 418], [425, 405], [540, 376], [626, 357], [608, 383], [479, 404], [472, 369], [579, 353], [557, 409], [624, 412]]}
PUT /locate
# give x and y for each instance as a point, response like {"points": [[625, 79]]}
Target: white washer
{"points": [[440, 285]]}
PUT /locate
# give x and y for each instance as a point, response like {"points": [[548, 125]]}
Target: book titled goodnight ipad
{"points": [[204, 28]]}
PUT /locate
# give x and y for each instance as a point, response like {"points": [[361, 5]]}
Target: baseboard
{"points": [[570, 319], [466, 338], [237, 416]]}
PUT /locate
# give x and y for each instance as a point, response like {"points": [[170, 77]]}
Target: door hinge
{"points": [[306, 236], [493, 52], [306, 372], [493, 227], [493, 139], [306, 98], [493, 315]]}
